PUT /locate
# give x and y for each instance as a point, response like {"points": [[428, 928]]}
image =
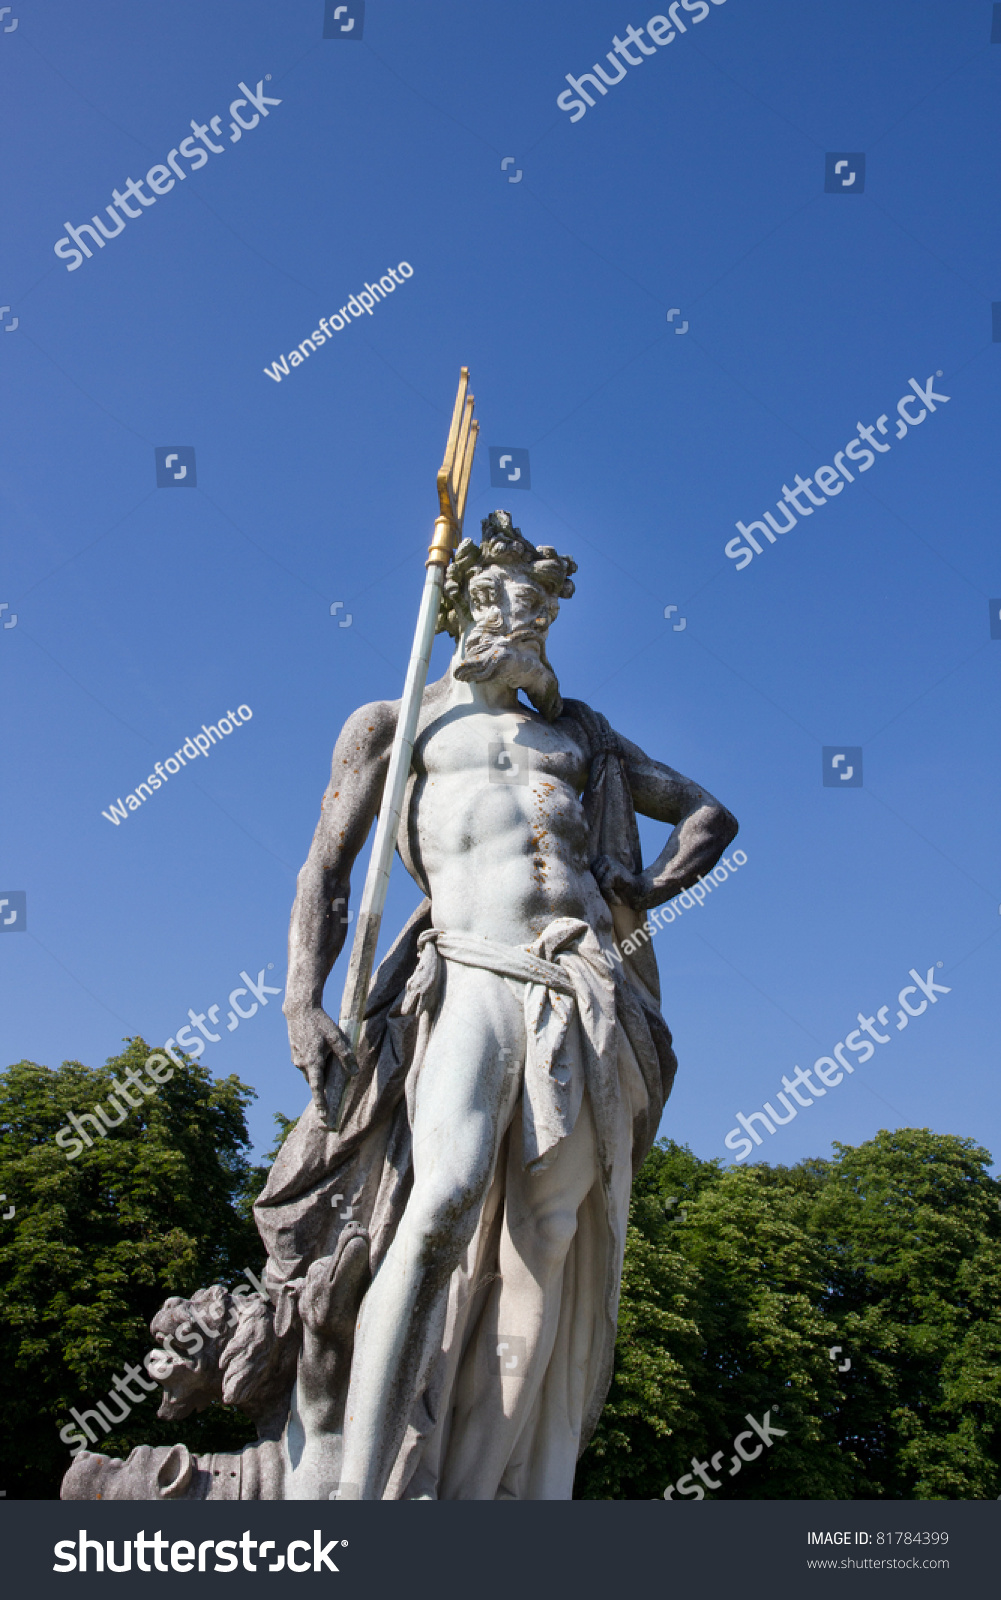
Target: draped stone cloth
{"points": [[589, 1029], [570, 1026]]}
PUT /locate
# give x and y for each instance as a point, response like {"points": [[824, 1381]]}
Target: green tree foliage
{"points": [[737, 1282], [912, 1222], [284, 1125], [890, 1251], [160, 1206]]}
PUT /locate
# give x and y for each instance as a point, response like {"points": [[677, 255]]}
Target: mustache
{"points": [[484, 635], [487, 647]]}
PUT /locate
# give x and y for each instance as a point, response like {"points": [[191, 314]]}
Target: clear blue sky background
{"points": [[696, 183]]}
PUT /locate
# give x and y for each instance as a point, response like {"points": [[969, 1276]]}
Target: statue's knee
{"points": [[439, 1230], [549, 1235]]}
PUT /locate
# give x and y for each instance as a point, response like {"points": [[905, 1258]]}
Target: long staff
{"points": [[453, 486]]}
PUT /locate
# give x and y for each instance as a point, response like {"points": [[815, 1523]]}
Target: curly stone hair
{"points": [[503, 545], [245, 1360]]}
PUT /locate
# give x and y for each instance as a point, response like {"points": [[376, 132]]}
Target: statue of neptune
{"points": [[537, 1065], [445, 1225]]}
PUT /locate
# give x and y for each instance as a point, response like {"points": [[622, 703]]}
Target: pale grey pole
{"points": [[453, 485]]}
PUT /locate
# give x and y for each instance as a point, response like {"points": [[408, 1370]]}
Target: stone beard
{"points": [[443, 1270], [514, 659]]}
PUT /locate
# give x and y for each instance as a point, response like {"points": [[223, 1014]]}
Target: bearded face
{"points": [[506, 642]]}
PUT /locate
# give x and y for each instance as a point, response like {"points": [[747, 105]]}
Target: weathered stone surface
{"points": [[444, 1268]]}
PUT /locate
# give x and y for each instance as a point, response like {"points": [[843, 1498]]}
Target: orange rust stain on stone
{"points": [[537, 839]]}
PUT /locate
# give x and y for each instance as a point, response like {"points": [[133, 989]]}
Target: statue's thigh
{"points": [[541, 1206], [470, 1076]]}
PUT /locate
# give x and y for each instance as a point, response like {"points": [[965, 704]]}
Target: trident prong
{"points": [[454, 474]]}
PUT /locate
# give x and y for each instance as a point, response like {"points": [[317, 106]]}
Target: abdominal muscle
{"points": [[504, 860]]}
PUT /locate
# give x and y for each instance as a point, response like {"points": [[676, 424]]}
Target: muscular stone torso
{"points": [[501, 857]]}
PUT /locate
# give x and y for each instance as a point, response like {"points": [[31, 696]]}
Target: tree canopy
{"points": [[159, 1206], [890, 1251], [738, 1284]]}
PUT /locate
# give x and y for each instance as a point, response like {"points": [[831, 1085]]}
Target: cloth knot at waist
{"points": [[569, 1010]]}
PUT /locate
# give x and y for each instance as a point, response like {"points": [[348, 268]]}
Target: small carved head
{"points": [[232, 1353], [202, 1325]]}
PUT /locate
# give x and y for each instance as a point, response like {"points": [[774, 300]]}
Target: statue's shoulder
{"points": [[593, 731], [369, 730]]}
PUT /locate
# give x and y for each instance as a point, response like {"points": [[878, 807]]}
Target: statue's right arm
{"points": [[320, 914]]}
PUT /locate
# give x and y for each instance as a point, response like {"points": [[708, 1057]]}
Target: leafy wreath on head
{"points": [[503, 545]]}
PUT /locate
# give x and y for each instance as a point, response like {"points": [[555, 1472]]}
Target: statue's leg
{"points": [[465, 1096], [521, 1318]]}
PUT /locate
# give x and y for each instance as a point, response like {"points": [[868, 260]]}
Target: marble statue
{"points": [[446, 1223]]}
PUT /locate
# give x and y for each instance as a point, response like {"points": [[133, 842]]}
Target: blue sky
{"points": [[696, 183]]}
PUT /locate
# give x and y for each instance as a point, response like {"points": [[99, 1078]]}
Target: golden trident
{"points": [[453, 486]]}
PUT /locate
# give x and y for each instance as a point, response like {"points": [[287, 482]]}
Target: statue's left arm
{"points": [[701, 830]]}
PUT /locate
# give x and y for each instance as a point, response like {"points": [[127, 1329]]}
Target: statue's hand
{"points": [[619, 886], [323, 1055]]}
